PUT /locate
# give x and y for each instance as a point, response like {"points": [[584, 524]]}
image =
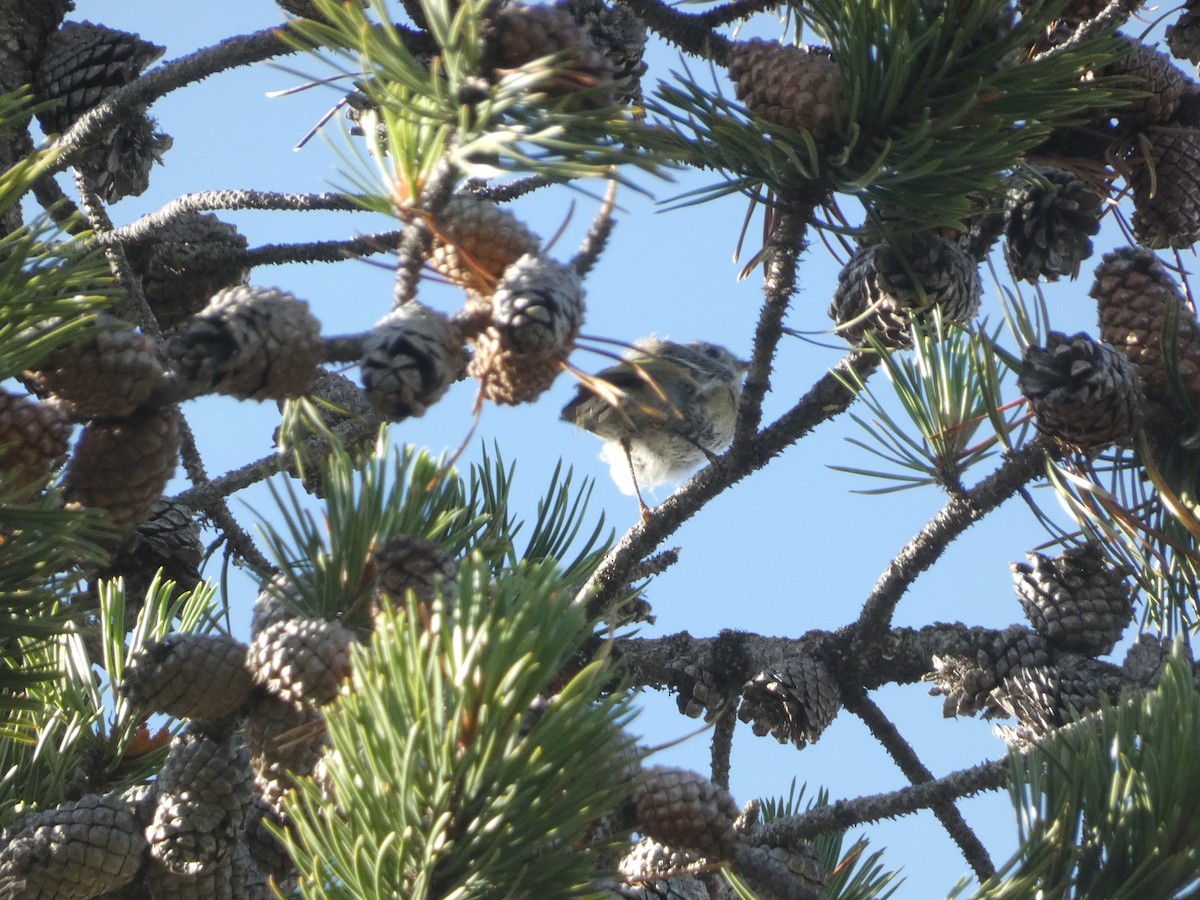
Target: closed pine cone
{"points": [[800, 88], [1136, 297], [122, 466], [107, 374], [476, 240], [33, 439], [1166, 188]]}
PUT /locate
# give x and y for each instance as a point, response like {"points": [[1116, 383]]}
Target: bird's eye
{"points": [[712, 351]]}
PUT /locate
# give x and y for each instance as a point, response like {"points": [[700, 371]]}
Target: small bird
{"points": [[665, 409]]}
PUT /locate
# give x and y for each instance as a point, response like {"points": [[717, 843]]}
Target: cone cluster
{"points": [[524, 331], [973, 685]]}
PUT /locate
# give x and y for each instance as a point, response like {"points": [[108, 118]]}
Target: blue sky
{"points": [[788, 550]]}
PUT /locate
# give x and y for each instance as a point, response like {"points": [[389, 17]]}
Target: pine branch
{"points": [[319, 251], [693, 34], [960, 513], [910, 764], [843, 814], [783, 250], [722, 746]]}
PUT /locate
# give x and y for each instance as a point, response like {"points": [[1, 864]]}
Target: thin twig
{"points": [[131, 303], [722, 745], [915, 771], [210, 491], [216, 508]]}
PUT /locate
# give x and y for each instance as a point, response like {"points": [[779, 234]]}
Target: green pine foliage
{"points": [[454, 775], [1107, 807]]}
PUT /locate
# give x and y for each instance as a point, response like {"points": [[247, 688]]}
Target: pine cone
{"points": [[203, 796], [157, 882], [1183, 37], [252, 343], [82, 65], [1137, 298], [967, 684], [284, 739], [79, 849], [476, 240], [1076, 601], [684, 809], [535, 317], [122, 466], [107, 374], [794, 701], [272, 604], [800, 88], [1051, 218], [195, 676], [33, 439], [168, 540], [301, 660], [783, 865], [518, 35], [1046, 697], [409, 562], [120, 167], [1153, 72], [409, 361], [1166, 188], [620, 35], [649, 859], [184, 262], [264, 847], [882, 289], [1084, 393]]}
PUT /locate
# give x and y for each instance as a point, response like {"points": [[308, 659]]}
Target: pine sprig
{"points": [[936, 116], [423, 114], [453, 777], [76, 731], [946, 389]]}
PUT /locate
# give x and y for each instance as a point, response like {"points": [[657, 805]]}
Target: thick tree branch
{"points": [[693, 34]]}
